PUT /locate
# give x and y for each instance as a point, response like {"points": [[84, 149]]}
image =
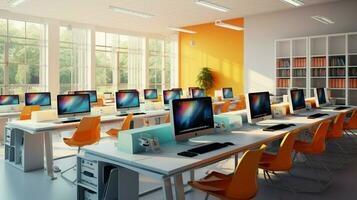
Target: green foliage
{"points": [[205, 78]]}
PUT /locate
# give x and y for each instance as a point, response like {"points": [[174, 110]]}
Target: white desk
{"points": [[168, 164], [35, 129]]}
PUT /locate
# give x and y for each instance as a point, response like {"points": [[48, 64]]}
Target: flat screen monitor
{"points": [[150, 94], [9, 100], [126, 99], [296, 100], [320, 96], [73, 104], [169, 95], [259, 106], [92, 94], [227, 93], [190, 90], [178, 89], [191, 117], [196, 93], [38, 98]]}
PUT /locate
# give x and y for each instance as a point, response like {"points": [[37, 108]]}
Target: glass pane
{"points": [[155, 62], [109, 40], [2, 74], [101, 76], [155, 45], [33, 55], [33, 76], [65, 75], [124, 41], [100, 38], [3, 27], [123, 76], [109, 75], [18, 73], [65, 88], [16, 28], [158, 76], [65, 34], [152, 75], [35, 31], [123, 60], [65, 57], [167, 78], [103, 59], [2, 53], [17, 53]]}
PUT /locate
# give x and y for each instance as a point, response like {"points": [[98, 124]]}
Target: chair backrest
{"points": [[88, 131], [100, 101], [352, 122], [336, 130], [318, 140], [241, 104], [283, 160], [167, 118], [27, 110], [215, 109], [126, 122], [225, 106], [244, 182]]}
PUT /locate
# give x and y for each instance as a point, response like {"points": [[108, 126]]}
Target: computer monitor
{"points": [[190, 90], [73, 104], [9, 100], [321, 98], [296, 100], [127, 99], [150, 94], [227, 93], [92, 94], [169, 95], [196, 93], [38, 98], [191, 117], [259, 107], [178, 89]]}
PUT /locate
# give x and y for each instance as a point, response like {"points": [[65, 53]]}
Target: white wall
{"points": [[262, 30]]}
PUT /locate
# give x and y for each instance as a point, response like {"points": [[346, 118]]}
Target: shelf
{"points": [[337, 67], [283, 68], [352, 54], [331, 55], [318, 77], [336, 88], [318, 67], [284, 77], [282, 88], [337, 77], [352, 66], [282, 57], [299, 67], [299, 76], [317, 56], [299, 56]]}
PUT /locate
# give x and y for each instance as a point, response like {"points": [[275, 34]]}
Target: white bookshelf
{"points": [[330, 61]]}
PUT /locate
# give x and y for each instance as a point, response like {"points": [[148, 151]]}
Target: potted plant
{"points": [[205, 78]]}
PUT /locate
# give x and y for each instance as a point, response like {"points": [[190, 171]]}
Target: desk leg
{"points": [[235, 160], [49, 154], [166, 183], [192, 175], [179, 187]]}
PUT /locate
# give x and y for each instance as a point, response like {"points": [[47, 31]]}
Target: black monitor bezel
{"points": [[145, 97], [73, 113], [292, 102], [81, 91], [163, 96], [192, 92], [250, 105], [224, 97]]}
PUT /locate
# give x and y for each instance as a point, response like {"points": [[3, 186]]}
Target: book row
{"points": [[318, 62], [337, 83], [282, 82], [299, 62]]}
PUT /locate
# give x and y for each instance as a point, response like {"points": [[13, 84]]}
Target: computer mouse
{"points": [[292, 124], [229, 143]]}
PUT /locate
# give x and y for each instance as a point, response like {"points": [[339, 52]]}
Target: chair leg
{"points": [[66, 178], [207, 195], [278, 186]]}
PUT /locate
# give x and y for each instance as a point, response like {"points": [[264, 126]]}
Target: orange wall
{"points": [[218, 48]]}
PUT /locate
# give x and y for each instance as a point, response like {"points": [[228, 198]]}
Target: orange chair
{"points": [[219, 98], [351, 124], [281, 161], [241, 104], [87, 133], [215, 109], [125, 126], [317, 146], [225, 106], [167, 118], [27, 110], [312, 102], [241, 185], [100, 102]]}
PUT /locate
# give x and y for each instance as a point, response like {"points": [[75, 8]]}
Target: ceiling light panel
{"points": [[322, 19], [229, 26], [14, 3], [130, 12], [181, 30], [296, 3], [212, 6]]}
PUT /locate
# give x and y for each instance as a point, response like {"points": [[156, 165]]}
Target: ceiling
{"points": [[176, 13]]}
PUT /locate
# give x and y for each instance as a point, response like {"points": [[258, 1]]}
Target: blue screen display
{"points": [[150, 93], [169, 95], [321, 97], [9, 100], [298, 99], [71, 104], [127, 99], [227, 93], [259, 104], [92, 94], [198, 93], [41, 99], [192, 115]]}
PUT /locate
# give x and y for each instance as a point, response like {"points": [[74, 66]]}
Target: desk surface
{"points": [[34, 127], [169, 163]]}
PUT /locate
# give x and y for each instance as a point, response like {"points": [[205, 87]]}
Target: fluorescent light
{"points": [[130, 12], [14, 3], [181, 30], [322, 19], [225, 25], [212, 6], [296, 3]]}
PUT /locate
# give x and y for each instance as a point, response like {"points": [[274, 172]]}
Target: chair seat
{"points": [[303, 147], [266, 162], [113, 132], [74, 143]]}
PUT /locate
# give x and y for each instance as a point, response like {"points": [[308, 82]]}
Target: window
{"points": [[74, 59], [23, 56], [162, 64], [119, 62]]}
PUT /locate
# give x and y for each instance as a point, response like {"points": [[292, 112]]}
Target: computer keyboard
{"points": [[126, 114], [341, 108], [209, 147], [70, 121], [317, 115], [277, 127]]}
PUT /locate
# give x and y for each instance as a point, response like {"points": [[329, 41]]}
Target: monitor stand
{"points": [[197, 141]]}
